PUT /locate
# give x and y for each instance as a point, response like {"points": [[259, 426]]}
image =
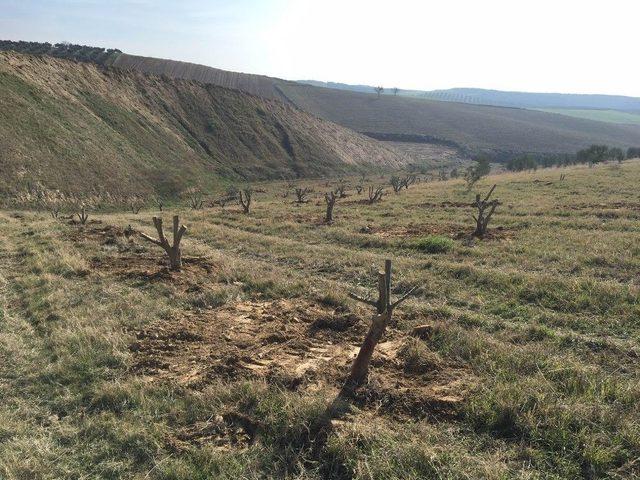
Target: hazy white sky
{"points": [[566, 46]]}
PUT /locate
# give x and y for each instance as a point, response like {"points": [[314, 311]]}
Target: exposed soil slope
{"points": [[83, 128], [260, 85]]}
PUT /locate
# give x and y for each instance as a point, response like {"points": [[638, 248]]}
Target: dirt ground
{"points": [[294, 343]]}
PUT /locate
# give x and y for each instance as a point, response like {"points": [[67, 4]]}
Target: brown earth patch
{"points": [[95, 231], [446, 204], [363, 200], [295, 344], [150, 268], [453, 231], [142, 262], [602, 206]]}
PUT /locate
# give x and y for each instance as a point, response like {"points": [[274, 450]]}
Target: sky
{"points": [[561, 46]]}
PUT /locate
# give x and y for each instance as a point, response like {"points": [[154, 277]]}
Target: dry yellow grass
{"points": [[536, 325]]}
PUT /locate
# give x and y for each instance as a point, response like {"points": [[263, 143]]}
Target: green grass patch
{"points": [[434, 244]]}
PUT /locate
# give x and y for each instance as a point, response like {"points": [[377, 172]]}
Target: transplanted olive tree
{"points": [[302, 194], [475, 172], [485, 209], [82, 213], [135, 204], [244, 198], [172, 250], [381, 318], [195, 198], [396, 183], [330, 199], [375, 194]]}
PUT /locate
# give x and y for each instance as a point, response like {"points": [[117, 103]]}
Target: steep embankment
{"points": [[260, 85], [80, 128]]}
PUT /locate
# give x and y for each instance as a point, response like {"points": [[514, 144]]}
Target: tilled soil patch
{"points": [[297, 345]]}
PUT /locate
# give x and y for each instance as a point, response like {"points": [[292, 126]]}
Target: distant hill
{"points": [[497, 130], [83, 128], [536, 100], [502, 131], [498, 98], [602, 108]]}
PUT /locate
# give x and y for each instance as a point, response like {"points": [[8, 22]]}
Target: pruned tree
{"points": [[395, 90], [379, 90], [341, 189], [52, 202], [375, 194], [159, 201], [563, 177], [195, 198], [301, 194], [135, 204], [359, 189], [330, 199], [244, 198], [381, 319], [223, 200], [82, 214], [231, 195], [173, 250], [407, 180], [54, 209], [485, 208], [396, 183], [442, 175]]}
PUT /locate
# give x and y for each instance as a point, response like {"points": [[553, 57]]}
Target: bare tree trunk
{"points": [[172, 251], [330, 198], [379, 322], [360, 367], [482, 218]]}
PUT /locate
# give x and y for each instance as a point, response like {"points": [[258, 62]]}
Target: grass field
{"points": [[113, 367], [609, 116]]}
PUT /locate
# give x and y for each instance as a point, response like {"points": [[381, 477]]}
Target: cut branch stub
{"points": [[384, 311], [173, 251]]}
